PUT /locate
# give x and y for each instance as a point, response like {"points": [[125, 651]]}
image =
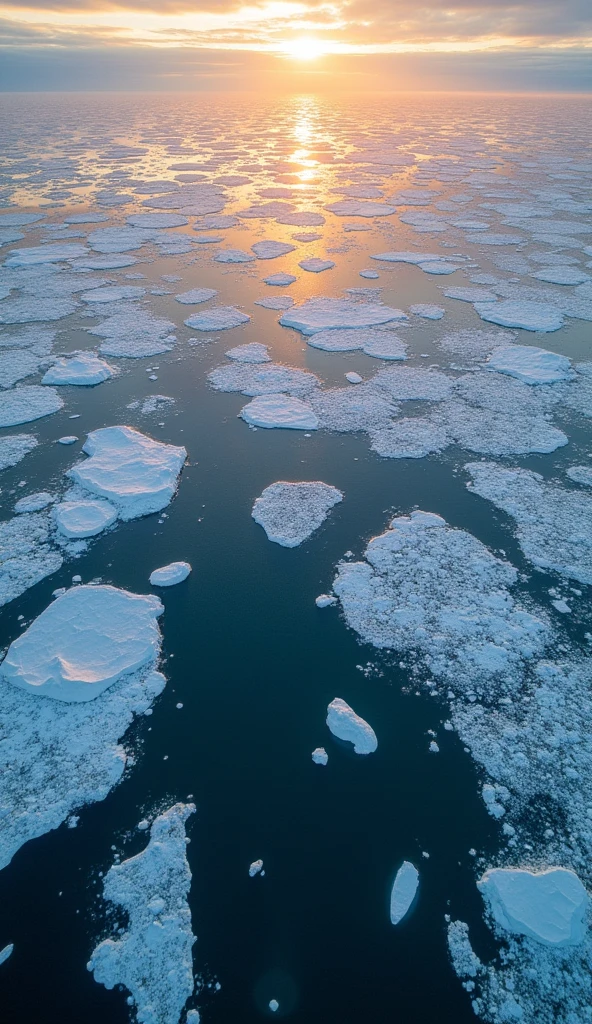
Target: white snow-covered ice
{"points": [[290, 512], [346, 725]]}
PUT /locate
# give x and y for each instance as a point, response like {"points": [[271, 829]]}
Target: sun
{"points": [[304, 49]]}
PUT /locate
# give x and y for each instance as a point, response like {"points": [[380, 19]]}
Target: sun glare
{"points": [[304, 49]]}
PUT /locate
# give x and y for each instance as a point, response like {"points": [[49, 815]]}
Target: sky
{"points": [[502, 45]]}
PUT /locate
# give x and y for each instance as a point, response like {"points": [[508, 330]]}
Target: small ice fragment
{"points": [[561, 606], [346, 725], [143, 825], [255, 868], [403, 891], [434, 748], [274, 1005], [325, 600], [77, 579], [6, 952], [320, 755], [370, 275], [68, 439], [192, 1017], [353, 377], [168, 575]]}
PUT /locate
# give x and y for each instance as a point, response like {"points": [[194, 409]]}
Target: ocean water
{"points": [[252, 659]]}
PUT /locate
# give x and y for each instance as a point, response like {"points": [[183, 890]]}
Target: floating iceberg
{"points": [[403, 892], [171, 574], [346, 725]]}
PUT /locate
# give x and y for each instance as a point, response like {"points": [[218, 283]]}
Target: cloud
{"points": [[348, 24]]}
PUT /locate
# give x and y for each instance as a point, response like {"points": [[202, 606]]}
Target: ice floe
{"points": [[379, 342], [84, 642], [169, 575], [469, 632], [529, 316], [217, 318], [320, 756], [254, 352], [280, 280], [271, 250], [280, 411], [278, 302], [135, 473], [346, 725], [329, 314], [79, 519], [290, 512], [427, 310], [83, 368], [135, 334], [14, 448], [28, 403], [256, 868], [152, 957], [34, 502], [58, 756], [553, 524], [549, 906], [531, 365], [315, 265], [196, 295], [403, 893]]}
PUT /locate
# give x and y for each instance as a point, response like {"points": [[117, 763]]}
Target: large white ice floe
{"points": [[28, 403], [290, 512], [152, 956], [57, 756], [553, 524], [82, 518], [346, 725], [217, 318], [280, 411], [316, 265], [84, 642], [549, 906], [136, 473], [531, 365], [529, 316], [331, 314], [169, 575], [403, 892], [84, 368], [113, 294], [430, 590]]}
